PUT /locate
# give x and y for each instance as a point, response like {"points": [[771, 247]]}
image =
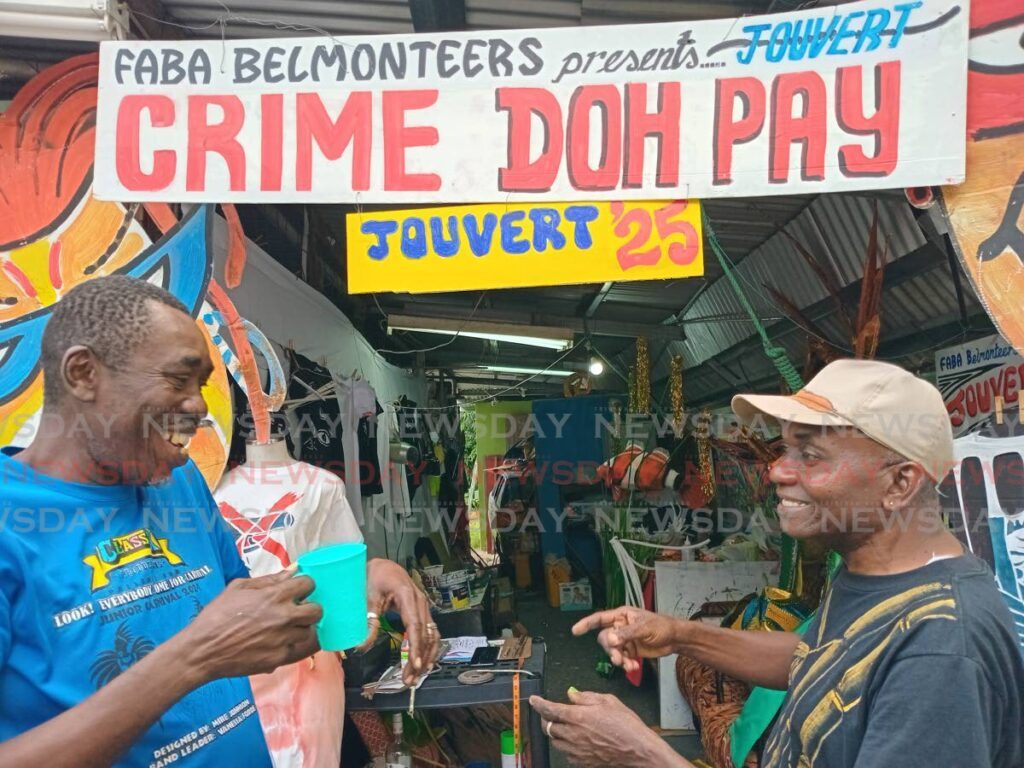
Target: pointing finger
{"points": [[598, 620]]}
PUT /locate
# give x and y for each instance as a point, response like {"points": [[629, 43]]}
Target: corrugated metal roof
{"points": [[522, 14], [915, 306], [833, 227], [733, 372], [633, 11], [285, 18], [744, 224], [927, 300], [262, 18]]}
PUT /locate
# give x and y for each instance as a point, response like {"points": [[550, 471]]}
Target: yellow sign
{"points": [[118, 551], [475, 247]]}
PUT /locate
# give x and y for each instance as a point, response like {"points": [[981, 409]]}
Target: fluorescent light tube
{"points": [[87, 20], [531, 341], [544, 336], [527, 371]]}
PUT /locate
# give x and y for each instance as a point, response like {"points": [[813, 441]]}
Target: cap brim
{"points": [[780, 408]]}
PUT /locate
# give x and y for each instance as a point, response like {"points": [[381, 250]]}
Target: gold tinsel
{"points": [[707, 470], [676, 394], [632, 390], [643, 377]]}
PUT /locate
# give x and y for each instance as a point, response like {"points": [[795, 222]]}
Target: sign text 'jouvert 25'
{"points": [[859, 96], [458, 248]]}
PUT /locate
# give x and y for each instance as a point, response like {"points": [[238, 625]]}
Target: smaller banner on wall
{"points": [[517, 246], [972, 376]]}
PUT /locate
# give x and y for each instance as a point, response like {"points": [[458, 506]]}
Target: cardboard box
{"points": [[575, 596]]}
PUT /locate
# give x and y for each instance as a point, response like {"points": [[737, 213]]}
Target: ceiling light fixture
{"points": [[531, 341], [596, 366], [86, 20], [527, 371], [546, 337]]}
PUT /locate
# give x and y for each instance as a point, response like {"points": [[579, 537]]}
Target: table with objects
{"points": [[442, 690]]}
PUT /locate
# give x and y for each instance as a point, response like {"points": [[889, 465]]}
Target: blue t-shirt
{"points": [[93, 578]]}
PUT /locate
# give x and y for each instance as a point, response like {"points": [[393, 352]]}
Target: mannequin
{"points": [[274, 452], [279, 508]]}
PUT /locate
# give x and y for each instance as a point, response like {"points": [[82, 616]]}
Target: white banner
{"points": [[862, 96], [972, 376]]}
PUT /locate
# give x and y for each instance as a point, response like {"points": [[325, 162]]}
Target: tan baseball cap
{"points": [[888, 404]]}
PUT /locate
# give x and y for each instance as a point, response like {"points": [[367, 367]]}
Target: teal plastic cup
{"points": [[338, 572]]}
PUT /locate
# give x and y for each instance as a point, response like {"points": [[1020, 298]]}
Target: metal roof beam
{"points": [[777, 226], [914, 341], [601, 295], [724, 373], [260, 23], [926, 258], [954, 271]]}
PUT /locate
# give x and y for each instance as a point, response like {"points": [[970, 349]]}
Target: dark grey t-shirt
{"points": [[920, 669]]}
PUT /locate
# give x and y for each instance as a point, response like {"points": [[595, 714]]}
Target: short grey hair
{"points": [[109, 315]]}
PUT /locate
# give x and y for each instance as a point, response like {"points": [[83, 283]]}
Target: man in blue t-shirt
{"points": [[128, 625]]}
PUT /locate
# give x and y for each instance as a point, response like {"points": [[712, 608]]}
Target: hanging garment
{"points": [[278, 512], [343, 391], [364, 399], [386, 431], [316, 425], [412, 429], [370, 482], [401, 499]]}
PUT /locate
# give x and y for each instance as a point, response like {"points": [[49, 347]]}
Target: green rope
{"points": [[790, 554], [793, 380], [769, 702], [776, 354]]}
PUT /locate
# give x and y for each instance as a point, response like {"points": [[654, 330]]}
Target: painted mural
{"points": [[1004, 500], [986, 212], [54, 235], [986, 217]]}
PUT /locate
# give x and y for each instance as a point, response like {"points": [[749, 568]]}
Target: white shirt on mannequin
{"points": [[280, 508]]}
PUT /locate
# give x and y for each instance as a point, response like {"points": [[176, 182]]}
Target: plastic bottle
{"points": [[508, 750], [398, 755]]}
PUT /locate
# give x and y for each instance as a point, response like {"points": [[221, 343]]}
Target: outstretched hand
{"points": [[629, 635], [597, 729], [388, 585]]}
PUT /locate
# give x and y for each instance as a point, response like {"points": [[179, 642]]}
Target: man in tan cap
{"points": [[912, 659]]}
